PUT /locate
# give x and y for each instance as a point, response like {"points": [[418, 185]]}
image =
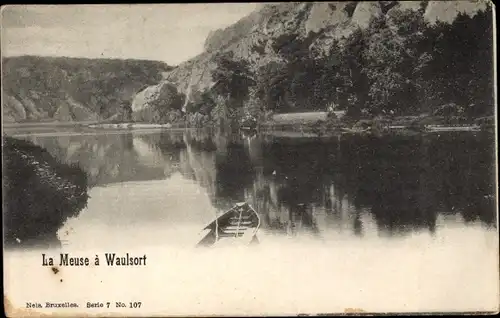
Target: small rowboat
{"points": [[238, 225]]}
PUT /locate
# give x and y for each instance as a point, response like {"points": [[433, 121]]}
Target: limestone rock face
{"points": [[365, 11], [252, 36], [410, 5], [151, 95], [13, 109], [92, 89], [214, 40], [401, 7], [154, 102], [194, 75], [325, 14], [447, 11], [75, 89]]}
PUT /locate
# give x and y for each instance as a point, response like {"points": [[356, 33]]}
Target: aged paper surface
{"points": [[249, 159]]}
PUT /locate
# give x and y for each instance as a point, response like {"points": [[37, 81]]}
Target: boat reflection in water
{"points": [[409, 219], [353, 187]]}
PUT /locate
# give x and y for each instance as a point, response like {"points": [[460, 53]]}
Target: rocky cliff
{"points": [[65, 89], [158, 103], [73, 89], [251, 37]]}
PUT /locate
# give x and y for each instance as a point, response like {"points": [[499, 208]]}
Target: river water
{"points": [[373, 223]]}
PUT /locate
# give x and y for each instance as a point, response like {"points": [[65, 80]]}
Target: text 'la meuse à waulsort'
{"points": [[111, 259]]}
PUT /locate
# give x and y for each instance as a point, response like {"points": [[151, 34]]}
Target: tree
{"points": [[459, 75], [272, 83], [352, 57], [202, 103], [232, 79], [394, 62], [296, 85]]}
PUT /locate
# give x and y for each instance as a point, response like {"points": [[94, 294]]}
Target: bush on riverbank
{"points": [[40, 193], [400, 65], [399, 71]]}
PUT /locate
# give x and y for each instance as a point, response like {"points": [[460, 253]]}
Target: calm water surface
{"points": [[303, 189], [348, 222]]}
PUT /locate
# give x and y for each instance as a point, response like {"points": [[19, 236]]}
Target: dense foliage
{"points": [[233, 82], [399, 65]]}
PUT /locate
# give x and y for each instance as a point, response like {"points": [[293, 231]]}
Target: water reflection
{"points": [[309, 187]]}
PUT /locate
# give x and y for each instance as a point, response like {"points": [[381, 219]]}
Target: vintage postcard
{"points": [[249, 159]]}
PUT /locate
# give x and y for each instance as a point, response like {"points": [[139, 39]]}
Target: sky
{"points": [[171, 33]]}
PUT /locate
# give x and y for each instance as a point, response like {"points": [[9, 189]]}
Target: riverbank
{"points": [[40, 193], [81, 128], [129, 126], [410, 125], [310, 123]]}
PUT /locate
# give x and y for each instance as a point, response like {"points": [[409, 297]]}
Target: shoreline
{"points": [[300, 130]]}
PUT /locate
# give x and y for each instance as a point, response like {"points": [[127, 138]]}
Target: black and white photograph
{"points": [[249, 159]]}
